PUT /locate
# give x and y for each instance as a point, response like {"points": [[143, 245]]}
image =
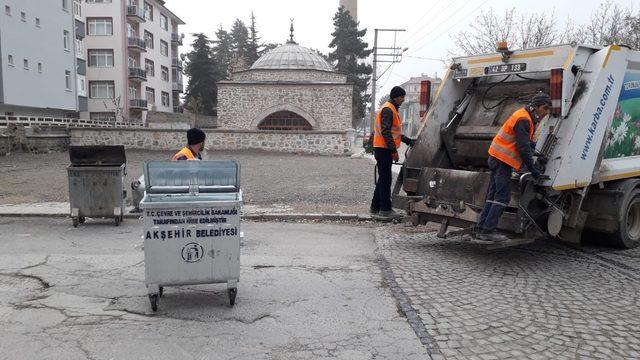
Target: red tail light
{"points": [[425, 97], [556, 92]]}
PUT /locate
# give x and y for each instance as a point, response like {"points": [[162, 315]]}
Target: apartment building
{"points": [[133, 63], [37, 58]]}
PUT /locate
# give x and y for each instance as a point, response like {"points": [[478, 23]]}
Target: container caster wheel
{"points": [[75, 222], [161, 291], [82, 219], [117, 220], [153, 298], [232, 296]]}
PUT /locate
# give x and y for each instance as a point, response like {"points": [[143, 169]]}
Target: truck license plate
{"points": [[505, 69]]}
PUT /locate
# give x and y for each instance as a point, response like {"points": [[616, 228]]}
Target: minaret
{"points": [[352, 6]]}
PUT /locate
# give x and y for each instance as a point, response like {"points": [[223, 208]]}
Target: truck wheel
{"points": [[628, 235], [75, 222]]}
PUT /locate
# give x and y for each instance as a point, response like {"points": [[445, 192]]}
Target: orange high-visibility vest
{"points": [[396, 129], [186, 152], [503, 146]]}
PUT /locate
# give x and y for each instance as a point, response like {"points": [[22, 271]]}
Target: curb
{"points": [[255, 217]]}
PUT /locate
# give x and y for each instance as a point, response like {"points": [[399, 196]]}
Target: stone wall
{"points": [[243, 105], [186, 120], [307, 142], [6, 144], [292, 75]]}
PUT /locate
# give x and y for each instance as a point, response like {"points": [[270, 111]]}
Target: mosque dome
{"points": [[292, 56]]}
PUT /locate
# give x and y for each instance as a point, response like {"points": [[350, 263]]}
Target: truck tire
{"points": [[628, 235]]}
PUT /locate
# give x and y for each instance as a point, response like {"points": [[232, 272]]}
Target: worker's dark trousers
{"points": [[382, 194], [498, 195]]}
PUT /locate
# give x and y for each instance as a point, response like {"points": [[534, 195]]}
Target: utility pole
{"points": [[394, 55]]}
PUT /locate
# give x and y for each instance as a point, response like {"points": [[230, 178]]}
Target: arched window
{"points": [[284, 120]]}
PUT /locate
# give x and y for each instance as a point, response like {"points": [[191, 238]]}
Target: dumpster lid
{"points": [[175, 177], [97, 155]]}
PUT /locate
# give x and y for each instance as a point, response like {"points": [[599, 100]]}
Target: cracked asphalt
{"points": [[307, 291]]}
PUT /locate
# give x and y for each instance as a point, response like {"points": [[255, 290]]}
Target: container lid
{"points": [[97, 155], [182, 177]]}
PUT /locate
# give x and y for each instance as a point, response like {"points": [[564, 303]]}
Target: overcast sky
{"points": [[429, 23]]}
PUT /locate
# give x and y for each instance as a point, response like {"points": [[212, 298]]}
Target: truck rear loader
{"points": [[588, 148]]}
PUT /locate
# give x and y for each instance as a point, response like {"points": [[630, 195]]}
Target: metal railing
{"points": [[63, 122], [138, 104], [176, 63], [176, 38], [137, 42], [137, 73], [177, 86], [133, 10]]}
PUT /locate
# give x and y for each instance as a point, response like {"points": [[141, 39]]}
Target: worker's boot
{"points": [[388, 215], [491, 236], [373, 211]]}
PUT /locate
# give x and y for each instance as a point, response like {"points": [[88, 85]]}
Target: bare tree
{"points": [[536, 30], [608, 25], [485, 32]]}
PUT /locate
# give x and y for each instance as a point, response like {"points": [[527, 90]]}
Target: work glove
{"points": [[395, 157], [409, 141], [535, 174]]}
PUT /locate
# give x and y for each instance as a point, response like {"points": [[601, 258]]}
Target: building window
{"points": [[77, 8], [7, 10], [100, 26], [101, 89], [148, 11], [164, 24], [148, 38], [165, 99], [67, 79], [25, 62], [151, 96], [40, 68], [23, 16], [284, 120], [100, 58], [38, 22], [164, 48], [66, 39], [82, 86], [150, 67], [65, 5], [99, 1], [102, 116], [165, 73], [10, 60]]}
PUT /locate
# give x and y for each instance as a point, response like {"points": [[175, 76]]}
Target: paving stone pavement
{"points": [[540, 301]]}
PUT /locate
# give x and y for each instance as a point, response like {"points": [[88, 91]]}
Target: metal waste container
{"points": [[191, 212], [96, 182]]}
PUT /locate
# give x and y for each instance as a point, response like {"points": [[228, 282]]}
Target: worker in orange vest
{"points": [[386, 141], [510, 149], [195, 140]]}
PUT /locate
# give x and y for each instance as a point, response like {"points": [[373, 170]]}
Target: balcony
{"points": [[137, 44], [138, 104], [137, 74], [176, 63], [176, 39], [135, 14], [177, 86], [178, 109]]}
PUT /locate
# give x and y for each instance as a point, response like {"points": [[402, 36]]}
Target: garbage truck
{"points": [[587, 149]]}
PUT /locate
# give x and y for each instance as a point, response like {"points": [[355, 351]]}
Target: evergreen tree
{"points": [[240, 39], [253, 49], [348, 57], [201, 70], [222, 53]]}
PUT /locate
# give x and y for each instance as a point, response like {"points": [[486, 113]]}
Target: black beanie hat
{"points": [[396, 92], [540, 99], [195, 136]]}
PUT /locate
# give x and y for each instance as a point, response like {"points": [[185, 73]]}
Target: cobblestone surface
{"points": [[541, 301]]}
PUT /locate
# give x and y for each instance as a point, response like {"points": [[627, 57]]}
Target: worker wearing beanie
{"points": [[511, 148], [386, 141], [195, 140]]}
